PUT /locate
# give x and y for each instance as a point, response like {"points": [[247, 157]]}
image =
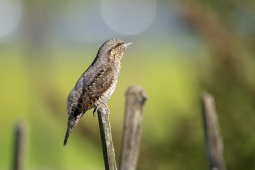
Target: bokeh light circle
{"points": [[128, 16], [10, 15], [81, 21]]}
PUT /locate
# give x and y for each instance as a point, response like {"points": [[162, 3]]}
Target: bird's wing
{"points": [[102, 81]]}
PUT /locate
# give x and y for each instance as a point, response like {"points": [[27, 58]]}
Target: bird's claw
{"points": [[103, 108], [107, 110], [95, 112]]}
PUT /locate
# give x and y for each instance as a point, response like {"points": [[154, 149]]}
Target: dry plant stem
{"points": [[214, 144], [106, 139], [19, 147], [132, 130]]}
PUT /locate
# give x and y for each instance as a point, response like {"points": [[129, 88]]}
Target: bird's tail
{"points": [[68, 132], [71, 124]]}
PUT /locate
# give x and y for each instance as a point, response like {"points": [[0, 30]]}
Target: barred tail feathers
{"points": [[68, 132]]}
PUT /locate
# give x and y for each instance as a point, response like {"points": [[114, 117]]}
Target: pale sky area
{"points": [[93, 21]]}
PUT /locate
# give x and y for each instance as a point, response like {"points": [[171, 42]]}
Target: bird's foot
{"points": [[95, 112], [107, 110], [103, 108]]}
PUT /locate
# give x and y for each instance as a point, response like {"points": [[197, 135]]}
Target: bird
{"points": [[97, 84]]}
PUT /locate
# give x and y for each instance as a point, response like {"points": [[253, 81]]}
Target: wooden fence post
{"points": [[213, 140], [132, 128], [106, 139], [18, 158]]}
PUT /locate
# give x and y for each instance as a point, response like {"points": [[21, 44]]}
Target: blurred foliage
{"points": [[37, 76]]}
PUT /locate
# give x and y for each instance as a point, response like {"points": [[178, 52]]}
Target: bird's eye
{"points": [[114, 47], [117, 45]]}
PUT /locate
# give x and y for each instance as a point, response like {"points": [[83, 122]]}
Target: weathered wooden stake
{"points": [[214, 144], [135, 100], [106, 139], [18, 159]]}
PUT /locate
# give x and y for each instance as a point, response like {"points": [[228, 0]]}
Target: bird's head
{"points": [[113, 50], [116, 50]]}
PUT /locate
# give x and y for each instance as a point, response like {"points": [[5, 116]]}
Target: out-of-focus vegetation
{"points": [[206, 46]]}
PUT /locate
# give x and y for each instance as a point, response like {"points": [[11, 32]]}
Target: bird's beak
{"points": [[127, 44], [124, 47]]}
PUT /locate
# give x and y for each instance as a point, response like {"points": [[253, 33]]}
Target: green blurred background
{"points": [[181, 48]]}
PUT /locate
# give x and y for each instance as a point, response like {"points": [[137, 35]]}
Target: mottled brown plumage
{"points": [[96, 84]]}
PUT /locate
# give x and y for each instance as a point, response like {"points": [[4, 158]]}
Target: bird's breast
{"points": [[107, 94]]}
